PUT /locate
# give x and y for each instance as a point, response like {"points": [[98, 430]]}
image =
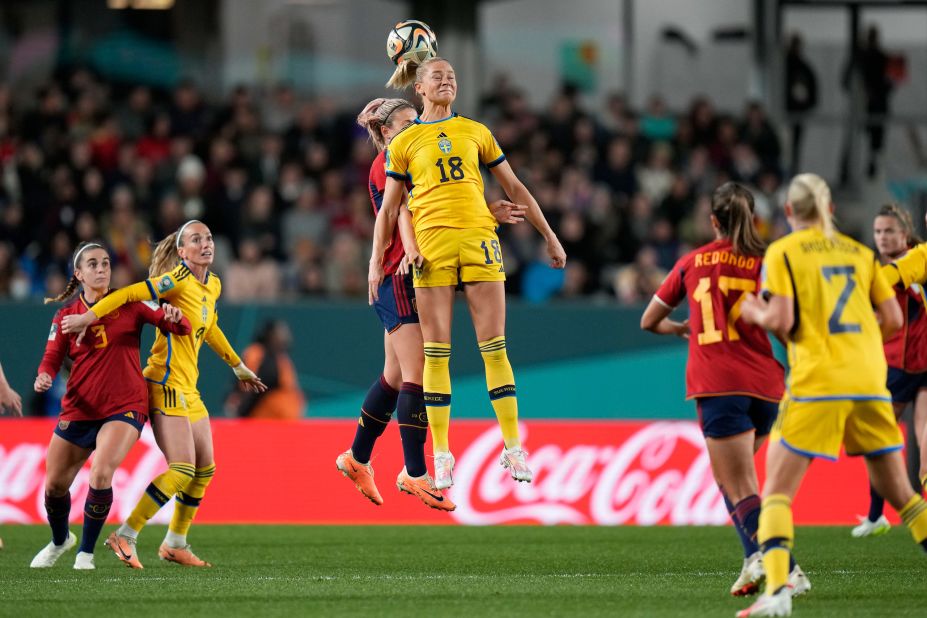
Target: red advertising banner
{"points": [[602, 473]]}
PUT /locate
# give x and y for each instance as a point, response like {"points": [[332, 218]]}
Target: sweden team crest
{"points": [[445, 145]]}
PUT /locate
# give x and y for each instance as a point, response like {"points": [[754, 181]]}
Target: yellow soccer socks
{"points": [[437, 386], [158, 492], [186, 505], [500, 381], [914, 516], [776, 535]]}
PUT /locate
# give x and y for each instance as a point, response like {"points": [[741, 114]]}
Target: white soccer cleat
{"points": [[444, 470], [751, 576], [51, 552], [84, 562], [799, 583], [516, 460], [779, 604], [870, 528]]}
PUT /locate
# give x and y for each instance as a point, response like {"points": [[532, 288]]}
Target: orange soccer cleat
{"points": [[361, 475], [181, 555], [124, 548], [424, 489]]}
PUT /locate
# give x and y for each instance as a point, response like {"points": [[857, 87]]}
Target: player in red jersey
{"points": [[105, 386], [399, 388], [905, 351], [731, 373]]}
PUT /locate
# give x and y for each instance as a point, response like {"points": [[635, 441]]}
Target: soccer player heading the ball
{"points": [[455, 242], [822, 287]]}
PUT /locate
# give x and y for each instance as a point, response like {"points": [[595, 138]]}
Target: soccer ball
{"points": [[411, 40]]}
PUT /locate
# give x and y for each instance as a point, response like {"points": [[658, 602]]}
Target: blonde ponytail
{"points": [[165, 256], [403, 76], [810, 199]]}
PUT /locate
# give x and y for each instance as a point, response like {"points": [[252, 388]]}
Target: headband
{"points": [[91, 245], [182, 228]]}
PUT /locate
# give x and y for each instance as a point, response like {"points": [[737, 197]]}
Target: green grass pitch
{"points": [[458, 571]]}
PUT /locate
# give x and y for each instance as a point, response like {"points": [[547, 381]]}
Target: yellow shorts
{"points": [[454, 255], [818, 428], [172, 402]]}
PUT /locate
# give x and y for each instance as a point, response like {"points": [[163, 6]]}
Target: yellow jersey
{"points": [[835, 347], [173, 359], [909, 269], [441, 160]]}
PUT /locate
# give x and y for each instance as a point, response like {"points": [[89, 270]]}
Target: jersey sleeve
{"points": [[911, 268], [129, 294], [216, 340], [881, 290], [777, 275], [56, 348], [491, 154], [396, 163], [151, 313], [673, 290]]}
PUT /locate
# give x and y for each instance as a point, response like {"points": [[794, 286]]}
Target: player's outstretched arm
{"points": [[78, 323], [216, 340], [519, 194], [382, 233], [656, 320], [9, 399], [167, 318]]}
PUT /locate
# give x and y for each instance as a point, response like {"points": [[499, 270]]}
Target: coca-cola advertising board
{"points": [[599, 473]]}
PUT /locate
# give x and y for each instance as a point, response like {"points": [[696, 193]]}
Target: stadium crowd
{"points": [[282, 183]]}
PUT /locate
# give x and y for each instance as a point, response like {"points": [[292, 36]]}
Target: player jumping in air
{"points": [[822, 287], [905, 351], [106, 403], [455, 242], [180, 274]]}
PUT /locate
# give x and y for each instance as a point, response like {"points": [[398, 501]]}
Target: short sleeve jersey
{"points": [[441, 160], [835, 347], [173, 360], [726, 356], [376, 184]]}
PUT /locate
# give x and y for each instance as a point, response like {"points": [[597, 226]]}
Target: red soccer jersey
{"points": [[726, 356], [106, 377], [377, 184], [907, 348]]}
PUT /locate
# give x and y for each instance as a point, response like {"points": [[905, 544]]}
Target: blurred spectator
{"points": [[252, 276], [801, 95], [269, 357], [636, 283]]}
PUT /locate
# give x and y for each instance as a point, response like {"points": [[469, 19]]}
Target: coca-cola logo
{"points": [[660, 474], [22, 482]]}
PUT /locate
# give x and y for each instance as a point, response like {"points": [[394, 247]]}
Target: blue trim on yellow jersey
{"points": [[154, 295], [167, 364], [877, 452], [398, 176], [420, 121], [496, 162], [806, 453], [841, 398]]}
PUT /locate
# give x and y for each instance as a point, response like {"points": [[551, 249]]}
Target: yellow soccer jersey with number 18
{"points": [[835, 349], [441, 159]]}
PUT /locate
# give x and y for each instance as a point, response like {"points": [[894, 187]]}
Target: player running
{"points": [[822, 287], [731, 373], [180, 274], [455, 242], [106, 403], [399, 388], [905, 351]]}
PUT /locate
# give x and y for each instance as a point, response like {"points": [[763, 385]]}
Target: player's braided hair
{"points": [[73, 283], [377, 114], [165, 256], [810, 199], [904, 218], [732, 205]]}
